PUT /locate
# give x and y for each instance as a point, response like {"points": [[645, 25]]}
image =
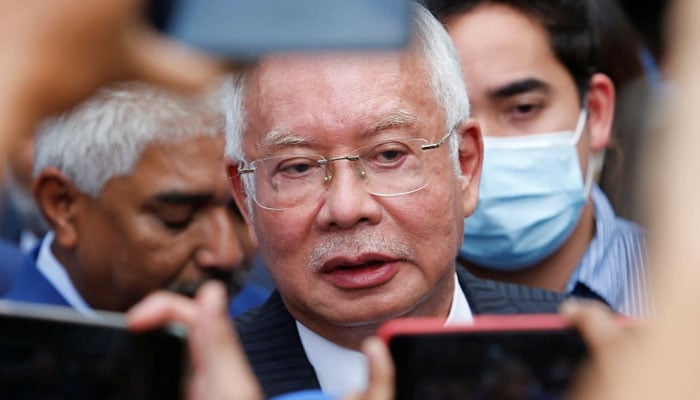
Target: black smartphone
{"points": [[498, 357], [49, 352], [241, 29]]}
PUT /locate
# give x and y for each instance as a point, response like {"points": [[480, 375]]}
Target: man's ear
{"points": [[58, 199], [601, 110], [241, 199], [471, 156]]}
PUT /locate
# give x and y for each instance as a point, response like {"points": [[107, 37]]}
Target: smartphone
{"points": [[49, 352], [498, 357], [243, 29]]}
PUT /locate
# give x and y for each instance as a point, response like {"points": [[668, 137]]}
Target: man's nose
{"points": [[221, 247], [347, 201]]}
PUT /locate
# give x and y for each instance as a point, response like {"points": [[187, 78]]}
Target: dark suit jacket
{"points": [[271, 341], [31, 286], [12, 260], [10, 221]]}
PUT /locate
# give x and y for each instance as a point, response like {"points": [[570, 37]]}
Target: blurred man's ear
{"points": [[471, 155], [57, 198], [241, 199], [601, 110]]}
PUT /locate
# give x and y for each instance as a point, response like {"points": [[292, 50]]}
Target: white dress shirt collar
{"points": [[56, 274], [341, 370]]}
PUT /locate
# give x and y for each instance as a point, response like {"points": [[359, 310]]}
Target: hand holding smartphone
{"points": [[497, 357]]}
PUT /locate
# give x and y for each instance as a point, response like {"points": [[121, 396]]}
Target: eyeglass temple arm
{"points": [[437, 144], [242, 169]]}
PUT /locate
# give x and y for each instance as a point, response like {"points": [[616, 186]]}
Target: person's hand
{"points": [[608, 340], [56, 53], [381, 372], [218, 366]]}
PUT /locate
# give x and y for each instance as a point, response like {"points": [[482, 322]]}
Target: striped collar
{"points": [[614, 265]]}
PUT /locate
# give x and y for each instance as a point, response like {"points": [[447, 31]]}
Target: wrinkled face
{"points": [[516, 84], [351, 258], [169, 224]]}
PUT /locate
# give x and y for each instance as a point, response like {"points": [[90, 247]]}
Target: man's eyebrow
{"points": [[183, 198], [281, 138], [519, 87], [396, 119]]}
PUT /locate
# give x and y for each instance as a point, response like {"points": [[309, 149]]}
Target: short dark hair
{"points": [[572, 35]]}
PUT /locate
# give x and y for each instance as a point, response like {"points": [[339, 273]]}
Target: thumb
{"points": [[381, 372], [220, 367]]}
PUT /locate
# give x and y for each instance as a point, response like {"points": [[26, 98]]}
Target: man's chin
{"points": [[187, 290], [232, 282]]}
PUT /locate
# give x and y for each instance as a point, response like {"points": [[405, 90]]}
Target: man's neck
{"points": [[351, 336], [554, 272], [93, 291]]}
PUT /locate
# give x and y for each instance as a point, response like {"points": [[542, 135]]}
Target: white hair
{"points": [[104, 137], [444, 79]]}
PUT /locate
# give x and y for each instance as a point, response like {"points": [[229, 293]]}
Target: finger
{"points": [[221, 368], [596, 322], [381, 370], [159, 309], [213, 324]]}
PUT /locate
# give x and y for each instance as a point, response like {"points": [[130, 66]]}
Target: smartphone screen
{"points": [[495, 363], [251, 28], [54, 353]]}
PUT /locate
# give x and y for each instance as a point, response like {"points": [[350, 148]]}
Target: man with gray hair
{"points": [[355, 172], [133, 186]]}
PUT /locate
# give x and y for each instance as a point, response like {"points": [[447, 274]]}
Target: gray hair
{"points": [[444, 75], [104, 137]]}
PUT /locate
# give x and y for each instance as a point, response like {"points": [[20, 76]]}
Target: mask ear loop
{"points": [[582, 119], [595, 165], [595, 160]]}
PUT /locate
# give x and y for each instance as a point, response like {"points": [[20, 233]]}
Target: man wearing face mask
{"points": [[546, 117]]}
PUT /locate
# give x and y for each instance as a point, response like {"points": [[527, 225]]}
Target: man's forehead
{"points": [[294, 84], [321, 99], [332, 60], [331, 71], [177, 164]]}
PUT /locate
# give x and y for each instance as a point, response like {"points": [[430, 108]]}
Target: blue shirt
{"points": [[614, 267]]}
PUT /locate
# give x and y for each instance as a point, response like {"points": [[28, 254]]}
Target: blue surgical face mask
{"points": [[530, 198]]}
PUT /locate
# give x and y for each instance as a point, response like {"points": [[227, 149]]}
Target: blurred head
{"points": [[134, 187], [359, 248]]}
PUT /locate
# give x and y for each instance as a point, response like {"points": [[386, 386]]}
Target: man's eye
{"points": [[296, 168], [175, 218], [177, 224], [388, 154], [526, 108]]}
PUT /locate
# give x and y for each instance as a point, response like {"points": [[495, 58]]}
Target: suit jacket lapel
{"points": [[271, 340], [33, 287]]}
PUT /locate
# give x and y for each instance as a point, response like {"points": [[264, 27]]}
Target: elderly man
{"points": [[355, 172], [132, 183]]}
